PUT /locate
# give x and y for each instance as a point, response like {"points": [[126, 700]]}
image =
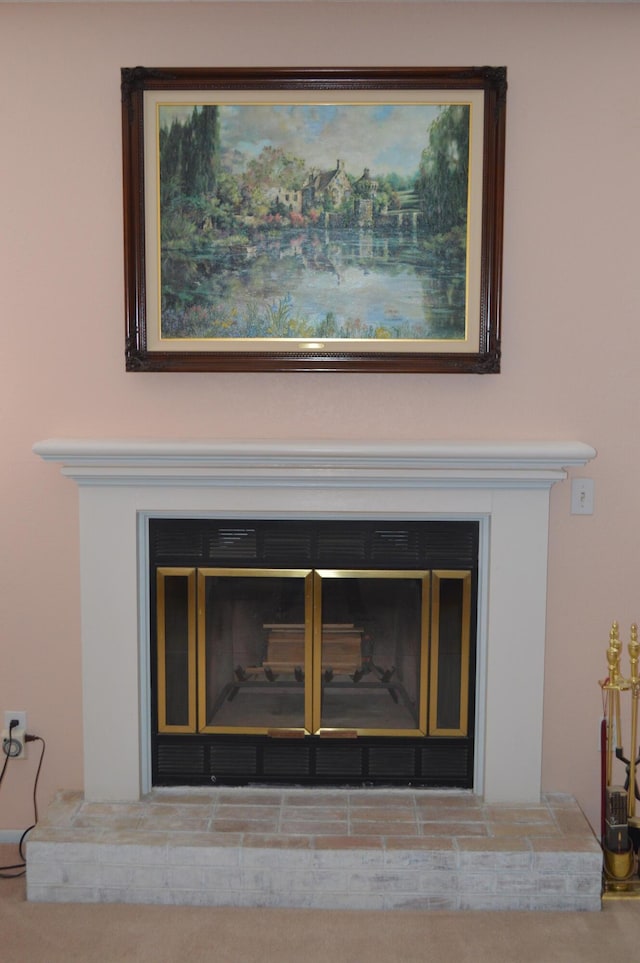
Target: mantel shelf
{"points": [[467, 464]]}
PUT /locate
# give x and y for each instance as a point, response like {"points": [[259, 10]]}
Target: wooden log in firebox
{"points": [[341, 647]]}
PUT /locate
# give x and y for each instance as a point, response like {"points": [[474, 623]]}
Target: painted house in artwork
{"points": [[285, 199], [365, 189], [326, 189]]}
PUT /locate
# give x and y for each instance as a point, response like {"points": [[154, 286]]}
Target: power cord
{"points": [[21, 866]]}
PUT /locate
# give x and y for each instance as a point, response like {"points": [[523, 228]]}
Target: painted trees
{"points": [[442, 184]]}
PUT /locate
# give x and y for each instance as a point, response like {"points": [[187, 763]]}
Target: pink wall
{"points": [[571, 309]]}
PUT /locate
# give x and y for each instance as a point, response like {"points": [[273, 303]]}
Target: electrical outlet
{"points": [[11, 714], [13, 744], [17, 733]]}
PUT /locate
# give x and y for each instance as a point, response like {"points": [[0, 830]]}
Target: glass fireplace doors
{"points": [[329, 653]]}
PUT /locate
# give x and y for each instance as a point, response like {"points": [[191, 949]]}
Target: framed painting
{"points": [[313, 219]]}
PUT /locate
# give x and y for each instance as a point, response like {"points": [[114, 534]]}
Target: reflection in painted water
{"points": [[342, 283]]}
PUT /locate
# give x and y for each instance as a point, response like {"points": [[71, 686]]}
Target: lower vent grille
{"points": [[392, 763], [233, 761], [183, 760], [284, 762], [448, 762], [340, 761], [365, 761]]}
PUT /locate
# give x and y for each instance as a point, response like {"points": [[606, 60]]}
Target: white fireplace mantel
{"points": [[476, 464], [506, 486]]}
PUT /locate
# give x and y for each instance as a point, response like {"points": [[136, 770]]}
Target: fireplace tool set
{"points": [[620, 824]]}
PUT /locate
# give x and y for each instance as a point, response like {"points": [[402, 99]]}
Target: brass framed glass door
{"points": [[254, 650], [291, 653], [371, 653]]}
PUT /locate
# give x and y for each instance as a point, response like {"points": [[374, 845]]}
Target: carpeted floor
{"points": [[74, 933]]}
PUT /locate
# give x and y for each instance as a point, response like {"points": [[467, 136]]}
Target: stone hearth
{"points": [[320, 849], [503, 846]]}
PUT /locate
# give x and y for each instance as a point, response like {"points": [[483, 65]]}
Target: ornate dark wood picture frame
{"points": [[313, 219]]}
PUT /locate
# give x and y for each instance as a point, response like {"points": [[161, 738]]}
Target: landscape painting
{"points": [[320, 228]]}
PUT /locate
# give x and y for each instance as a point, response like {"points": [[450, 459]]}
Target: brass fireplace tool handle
{"points": [[621, 826], [612, 685], [634, 648]]}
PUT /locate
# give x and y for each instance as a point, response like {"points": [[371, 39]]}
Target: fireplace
{"points": [[502, 487], [313, 651]]}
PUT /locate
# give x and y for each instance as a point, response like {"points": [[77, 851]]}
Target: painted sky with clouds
{"points": [[382, 137]]}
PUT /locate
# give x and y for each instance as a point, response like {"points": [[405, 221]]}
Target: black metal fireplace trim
{"points": [[230, 759], [245, 760], [322, 543]]}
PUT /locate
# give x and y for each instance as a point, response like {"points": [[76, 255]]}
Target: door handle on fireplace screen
{"points": [[338, 733], [287, 733]]}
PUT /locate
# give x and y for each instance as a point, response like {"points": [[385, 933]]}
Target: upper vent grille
{"points": [[281, 546], [233, 543], [339, 544], [397, 545], [176, 541], [314, 543]]}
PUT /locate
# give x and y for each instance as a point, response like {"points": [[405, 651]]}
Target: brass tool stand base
{"points": [[613, 887]]}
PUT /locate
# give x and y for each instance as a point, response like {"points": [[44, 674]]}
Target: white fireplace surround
{"points": [[506, 486]]}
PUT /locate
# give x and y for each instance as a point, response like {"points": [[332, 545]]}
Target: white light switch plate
{"points": [[582, 496]]}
